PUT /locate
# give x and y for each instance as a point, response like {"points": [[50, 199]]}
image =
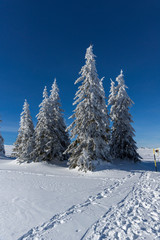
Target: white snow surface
{"points": [[8, 150], [47, 202]]}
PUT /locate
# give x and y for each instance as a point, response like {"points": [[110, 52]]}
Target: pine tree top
{"points": [[89, 53], [120, 80], [54, 93], [45, 93]]}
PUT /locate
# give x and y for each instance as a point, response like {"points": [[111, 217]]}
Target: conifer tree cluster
{"points": [[49, 140], [93, 139]]}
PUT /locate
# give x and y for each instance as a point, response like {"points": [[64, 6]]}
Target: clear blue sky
{"points": [[41, 40]]}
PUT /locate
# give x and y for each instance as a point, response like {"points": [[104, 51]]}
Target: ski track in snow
{"points": [[36, 233], [136, 216]]}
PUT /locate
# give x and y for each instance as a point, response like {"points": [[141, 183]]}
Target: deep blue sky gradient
{"points": [[41, 40]]}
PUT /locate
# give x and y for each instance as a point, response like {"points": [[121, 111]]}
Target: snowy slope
{"points": [[40, 201]]}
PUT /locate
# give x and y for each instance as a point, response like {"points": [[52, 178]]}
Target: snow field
{"points": [[41, 201]]}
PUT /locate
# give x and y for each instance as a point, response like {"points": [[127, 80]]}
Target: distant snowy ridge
{"points": [[8, 150]]}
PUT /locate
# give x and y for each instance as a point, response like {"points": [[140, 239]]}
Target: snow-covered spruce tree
{"points": [[90, 128], [46, 141], [122, 143], [42, 130], [2, 151], [111, 102], [112, 99], [58, 124], [25, 141]]}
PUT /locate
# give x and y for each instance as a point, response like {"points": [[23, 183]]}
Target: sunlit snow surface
{"points": [[118, 201]]}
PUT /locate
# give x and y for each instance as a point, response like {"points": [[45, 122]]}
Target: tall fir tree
{"points": [[43, 134], [112, 99], [25, 141], [122, 144], [2, 151], [111, 102], [47, 143], [58, 123], [90, 127]]}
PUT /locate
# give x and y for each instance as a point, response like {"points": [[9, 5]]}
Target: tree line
{"points": [[93, 140]]}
